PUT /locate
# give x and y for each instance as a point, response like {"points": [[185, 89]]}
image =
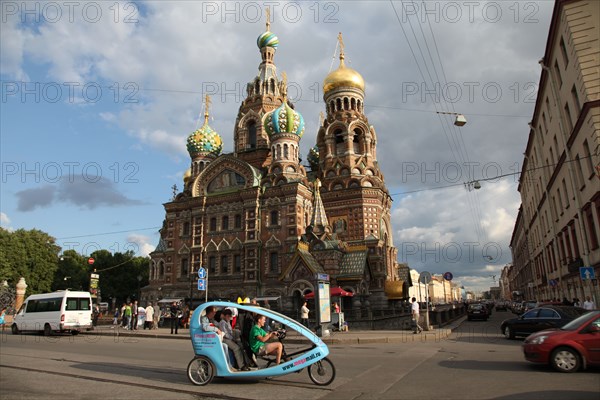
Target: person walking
{"points": [[304, 314], [174, 311], [127, 316], [2, 318], [415, 316], [588, 304], [156, 316], [149, 316], [134, 315]]}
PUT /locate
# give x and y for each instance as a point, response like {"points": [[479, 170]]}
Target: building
{"points": [[557, 229], [263, 224]]}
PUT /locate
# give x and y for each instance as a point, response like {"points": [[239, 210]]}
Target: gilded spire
{"points": [[341, 42], [207, 102], [321, 118], [319, 219], [284, 86], [268, 24]]}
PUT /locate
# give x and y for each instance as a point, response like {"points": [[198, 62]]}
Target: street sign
{"points": [[587, 273], [202, 273], [91, 260], [553, 282], [201, 284], [425, 277], [448, 276], [322, 277]]}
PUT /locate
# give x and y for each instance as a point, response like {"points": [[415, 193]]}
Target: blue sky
{"points": [[92, 165]]}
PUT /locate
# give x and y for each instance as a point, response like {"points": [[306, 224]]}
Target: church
{"points": [[264, 225]]}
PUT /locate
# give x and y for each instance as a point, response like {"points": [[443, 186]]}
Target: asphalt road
{"points": [[475, 362]]}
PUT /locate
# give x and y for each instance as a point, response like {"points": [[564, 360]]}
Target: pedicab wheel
{"points": [[201, 371], [322, 372]]}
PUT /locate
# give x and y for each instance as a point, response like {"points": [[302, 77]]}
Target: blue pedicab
{"points": [[212, 358]]}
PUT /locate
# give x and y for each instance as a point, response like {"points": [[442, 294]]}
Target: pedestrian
{"points": [[95, 315], [127, 316], [304, 314], [134, 315], [156, 316], [2, 318], [415, 316], [588, 304], [174, 311], [149, 316], [116, 317]]}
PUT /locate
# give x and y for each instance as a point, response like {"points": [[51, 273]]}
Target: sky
{"points": [[98, 98]]}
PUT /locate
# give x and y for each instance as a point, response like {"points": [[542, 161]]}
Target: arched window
{"points": [[252, 134], [274, 262], [225, 223], [339, 137], [346, 104], [286, 152], [224, 265], [237, 221], [274, 218], [356, 141], [213, 224], [161, 269]]}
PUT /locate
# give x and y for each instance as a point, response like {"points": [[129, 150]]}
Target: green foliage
{"points": [[33, 255]]}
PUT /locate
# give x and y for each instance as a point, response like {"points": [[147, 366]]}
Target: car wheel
{"points": [[508, 333], [565, 359], [47, 330], [15, 329]]}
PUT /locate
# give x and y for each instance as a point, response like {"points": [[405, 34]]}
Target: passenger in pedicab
{"points": [[233, 341], [258, 341], [206, 321]]}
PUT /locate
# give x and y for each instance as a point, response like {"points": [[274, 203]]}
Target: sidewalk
{"points": [[335, 338]]}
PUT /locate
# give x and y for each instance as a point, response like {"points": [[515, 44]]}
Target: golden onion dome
{"points": [[187, 175], [343, 77]]}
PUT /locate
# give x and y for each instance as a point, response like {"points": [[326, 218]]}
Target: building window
{"points": [[568, 118], [591, 229], [557, 72], [237, 263], [274, 218], [560, 202], [588, 157], [576, 102], [186, 228], [184, 266], [237, 221], [579, 170], [564, 185], [224, 265], [563, 50], [576, 253], [213, 224], [225, 223], [274, 262], [212, 264], [252, 134]]}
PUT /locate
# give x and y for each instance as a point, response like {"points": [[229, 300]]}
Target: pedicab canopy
{"points": [[333, 292]]}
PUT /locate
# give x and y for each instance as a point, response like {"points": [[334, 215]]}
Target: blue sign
{"points": [[448, 276], [553, 282], [202, 273], [322, 277], [587, 273], [201, 284]]}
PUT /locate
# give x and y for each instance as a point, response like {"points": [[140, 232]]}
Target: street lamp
{"points": [[460, 119], [139, 292]]}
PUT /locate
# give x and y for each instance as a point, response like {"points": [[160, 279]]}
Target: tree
{"points": [[72, 272], [30, 254]]}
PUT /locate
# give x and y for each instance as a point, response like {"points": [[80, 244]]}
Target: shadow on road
{"points": [[551, 395]]}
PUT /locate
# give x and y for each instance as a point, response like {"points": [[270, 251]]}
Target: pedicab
{"points": [[211, 355]]}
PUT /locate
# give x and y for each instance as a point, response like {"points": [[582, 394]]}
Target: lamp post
{"points": [[192, 273], [139, 291]]}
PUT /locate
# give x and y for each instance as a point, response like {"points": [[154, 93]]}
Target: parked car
{"points": [[501, 306], [538, 319], [477, 311], [526, 306], [568, 349]]}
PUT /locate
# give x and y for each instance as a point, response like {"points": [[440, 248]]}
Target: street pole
{"points": [[426, 305]]}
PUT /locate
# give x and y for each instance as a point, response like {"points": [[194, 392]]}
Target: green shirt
{"points": [[127, 311], [255, 343]]}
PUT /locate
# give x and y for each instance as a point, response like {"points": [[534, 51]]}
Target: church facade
{"points": [[261, 223]]}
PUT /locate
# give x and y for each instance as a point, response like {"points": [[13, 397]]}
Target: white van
{"points": [[60, 311]]}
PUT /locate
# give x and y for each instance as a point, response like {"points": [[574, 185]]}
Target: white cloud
{"points": [[144, 246], [5, 222]]}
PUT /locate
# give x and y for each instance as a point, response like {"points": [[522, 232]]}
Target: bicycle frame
{"points": [[209, 345]]}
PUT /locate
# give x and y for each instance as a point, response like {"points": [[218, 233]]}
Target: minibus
{"points": [[61, 311]]}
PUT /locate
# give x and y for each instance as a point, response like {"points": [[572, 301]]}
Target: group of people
{"points": [[248, 327], [588, 304]]}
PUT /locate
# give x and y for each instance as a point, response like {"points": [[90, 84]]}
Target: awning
{"points": [[169, 301], [333, 292]]}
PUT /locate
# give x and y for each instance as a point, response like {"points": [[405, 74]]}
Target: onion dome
{"points": [[343, 76], [204, 140], [187, 175], [313, 156], [267, 39], [284, 120]]}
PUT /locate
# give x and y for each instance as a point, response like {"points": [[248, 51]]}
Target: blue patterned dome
{"points": [[313, 156], [284, 120], [267, 39], [204, 140]]}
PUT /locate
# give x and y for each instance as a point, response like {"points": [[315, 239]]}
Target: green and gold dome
{"points": [[204, 140], [267, 39], [284, 119]]}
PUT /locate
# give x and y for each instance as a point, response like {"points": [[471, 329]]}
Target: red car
{"points": [[576, 345]]}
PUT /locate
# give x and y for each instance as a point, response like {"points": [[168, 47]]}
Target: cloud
{"points": [[142, 242], [5, 222], [87, 192], [30, 199]]}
